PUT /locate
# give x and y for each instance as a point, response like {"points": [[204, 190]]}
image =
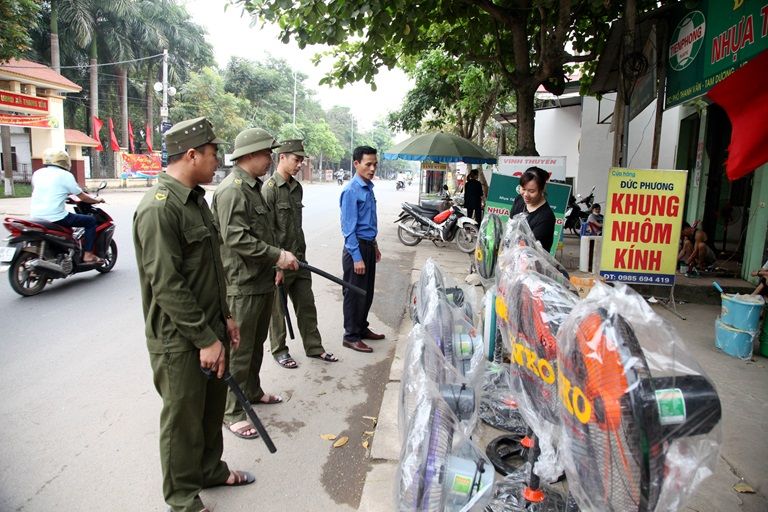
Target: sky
{"points": [[230, 34]]}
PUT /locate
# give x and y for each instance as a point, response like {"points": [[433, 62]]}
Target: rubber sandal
{"points": [[326, 356], [241, 478], [271, 399], [238, 427], [286, 361]]}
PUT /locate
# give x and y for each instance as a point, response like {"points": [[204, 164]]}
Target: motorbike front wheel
{"points": [[466, 238], [110, 258], [407, 238], [24, 280]]}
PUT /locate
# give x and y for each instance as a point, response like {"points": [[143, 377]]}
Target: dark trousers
{"points": [[356, 307], [75, 220], [475, 212]]}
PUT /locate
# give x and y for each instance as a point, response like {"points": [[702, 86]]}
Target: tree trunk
{"points": [[661, 78], [123, 87], [55, 63], [5, 135], [618, 130], [526, 143], [320, 165], [95, 155], [480, 138]]}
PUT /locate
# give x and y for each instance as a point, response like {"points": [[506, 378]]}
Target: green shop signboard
{"points": [[711, 41], [502, 192]]}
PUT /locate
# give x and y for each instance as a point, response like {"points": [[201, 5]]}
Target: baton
{"points": [[330, 277], [246, 405], [286, 312]]}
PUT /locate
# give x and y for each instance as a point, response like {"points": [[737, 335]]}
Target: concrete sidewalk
{"points": [[742, 386]]}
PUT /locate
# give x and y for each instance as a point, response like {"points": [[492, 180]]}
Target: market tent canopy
{"points": [[744, 96], [440, 147]]}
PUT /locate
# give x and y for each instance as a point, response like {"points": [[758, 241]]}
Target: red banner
{"points": [[97, 126], [131, 146], [744, 97], [112, 137], [23, 102], [148, 138], [141, 166], [31, 121]]}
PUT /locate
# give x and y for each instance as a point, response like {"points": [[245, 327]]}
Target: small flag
{"points": [[112, 138], [131, 145], [97, 124], [148, 138]]}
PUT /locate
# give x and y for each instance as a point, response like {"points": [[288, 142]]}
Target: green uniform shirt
{"points": [[183, 289], [285, 199], [246, 224]]}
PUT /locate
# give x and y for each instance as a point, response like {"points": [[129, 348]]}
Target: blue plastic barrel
{"points": [[734, 342], [741, 313]]}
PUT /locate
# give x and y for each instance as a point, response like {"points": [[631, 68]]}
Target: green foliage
{"points": [[204, 95], [16, 16], [525, 42]]}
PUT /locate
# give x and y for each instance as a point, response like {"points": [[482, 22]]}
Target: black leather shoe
{"points": [[357, 345], [370, 335]]}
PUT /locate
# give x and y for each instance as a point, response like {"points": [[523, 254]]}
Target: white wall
{"points": [[557, 133], [597, 143]]}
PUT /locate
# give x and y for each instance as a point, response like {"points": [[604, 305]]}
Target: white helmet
{"points": [[57, 157]]}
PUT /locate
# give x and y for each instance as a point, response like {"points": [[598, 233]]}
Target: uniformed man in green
{"points": [[283, 194], [250, 256], [188, 322]]}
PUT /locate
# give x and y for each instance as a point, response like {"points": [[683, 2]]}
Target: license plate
{"points": [[7, 253]]}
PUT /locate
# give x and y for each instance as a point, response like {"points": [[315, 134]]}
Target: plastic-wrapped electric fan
{"points": [[494, 346], [508, 495], [533, 309], [640, 420], [425, 372], [518, 233], [487, 247], [498, 405], [440, 470], [522, 258], [432, 281]]}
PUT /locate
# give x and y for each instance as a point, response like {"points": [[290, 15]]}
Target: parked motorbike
{"points": [[400, 185], [417, 223], [40, 251], [578, 211]]}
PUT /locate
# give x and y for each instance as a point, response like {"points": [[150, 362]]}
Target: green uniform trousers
{"points": [[191, 441], [252, 313], [298, 286]]}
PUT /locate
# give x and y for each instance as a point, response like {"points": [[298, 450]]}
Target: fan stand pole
{"points": [[671, 300]]}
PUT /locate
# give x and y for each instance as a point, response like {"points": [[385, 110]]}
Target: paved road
{"points": [[80, 415]]}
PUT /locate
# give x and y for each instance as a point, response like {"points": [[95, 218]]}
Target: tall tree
{"points": [[526, 42], [16, 17]]}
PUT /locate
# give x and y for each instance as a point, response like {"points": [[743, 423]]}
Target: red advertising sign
{"points": [[140, 166], [32, 121], [22, 102]]}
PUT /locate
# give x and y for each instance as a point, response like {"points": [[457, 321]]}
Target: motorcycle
{"points": [[417, 223], [40, 251], [575, 215], [400, 185]]}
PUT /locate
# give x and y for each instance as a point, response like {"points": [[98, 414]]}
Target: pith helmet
{"points": [[57, 157], [190, 134], [294, 146], [253, 140]]}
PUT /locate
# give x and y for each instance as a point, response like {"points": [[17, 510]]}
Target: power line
{"points": [[85, 66]]}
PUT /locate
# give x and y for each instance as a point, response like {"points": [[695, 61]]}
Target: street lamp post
{"points": [[167, 91]]}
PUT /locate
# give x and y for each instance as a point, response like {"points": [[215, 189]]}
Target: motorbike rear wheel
{"points": [[466, 238], [110, 258], [25, 281], [407, 238]]}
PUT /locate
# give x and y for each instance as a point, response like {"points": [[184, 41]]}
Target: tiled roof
{"points": [[78, 138], [36, 72]]}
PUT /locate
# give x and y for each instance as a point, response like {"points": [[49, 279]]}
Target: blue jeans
{"points": [[81, 221]]}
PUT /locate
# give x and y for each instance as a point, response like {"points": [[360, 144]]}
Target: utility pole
{"points": [[167, 91]]}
